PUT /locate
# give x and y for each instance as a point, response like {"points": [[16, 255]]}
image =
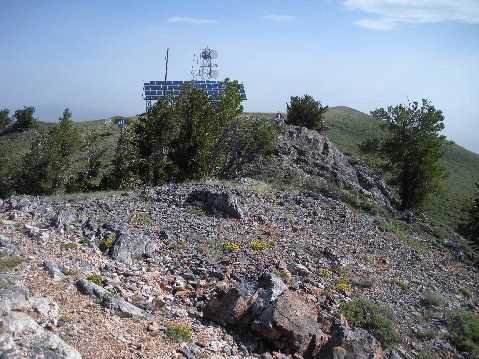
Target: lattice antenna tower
{"points": [[205, 67]]}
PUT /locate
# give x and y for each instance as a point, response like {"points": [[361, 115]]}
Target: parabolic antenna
{"points": [[209, 54], [213, 74]]}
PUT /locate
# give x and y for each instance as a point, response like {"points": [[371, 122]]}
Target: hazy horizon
{"points": [[93, 57]]}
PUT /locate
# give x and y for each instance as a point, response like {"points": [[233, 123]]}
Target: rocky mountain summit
{"points": [[223, 270]]}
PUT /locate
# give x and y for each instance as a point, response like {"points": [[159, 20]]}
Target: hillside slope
{"points": [[347, 128], [172, 260]]}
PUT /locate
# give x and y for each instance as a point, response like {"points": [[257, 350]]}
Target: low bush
{"points": [[364, 314], [464, 329]]}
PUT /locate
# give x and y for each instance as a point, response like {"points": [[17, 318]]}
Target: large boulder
{"points": [[223, 204], [289, 321], [22, 337], [129, 246]]}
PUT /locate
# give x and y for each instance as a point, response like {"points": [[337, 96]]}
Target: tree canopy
{"points": [[191, 137], [305, 111], [411, 150], [470, 227], [4, 119], [24, 118], [49, 163]]}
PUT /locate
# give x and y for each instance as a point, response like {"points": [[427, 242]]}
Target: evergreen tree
{"points": [[411, 150], [49, 164], [24, 118], [305, 111], [4, 119], [470, 228], [192, 137]]}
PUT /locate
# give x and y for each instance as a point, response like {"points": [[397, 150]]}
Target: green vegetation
{"points": [[282, 273], [24, 118], [470, 227], [190, 138], [68, 245], [108, 241], [464, 329], [364, 314], [400, 283], [10, 262], [410, 149], [433, 298], [5, 283], [305, 111], [4, 119], [179, 333], [423, 355], [95, 278], [347, 128]]}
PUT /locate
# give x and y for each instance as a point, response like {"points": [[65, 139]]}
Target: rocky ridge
{"points": [[160, 260], [233, 269]]}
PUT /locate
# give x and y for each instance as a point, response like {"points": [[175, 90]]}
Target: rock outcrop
{"points": [[289, 321]]}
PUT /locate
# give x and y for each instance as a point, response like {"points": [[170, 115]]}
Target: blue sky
{"points": [[93, 56]]}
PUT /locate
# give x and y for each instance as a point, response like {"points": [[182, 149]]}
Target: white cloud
{"points": [[394, 13], [279, 17], [190, 20]]}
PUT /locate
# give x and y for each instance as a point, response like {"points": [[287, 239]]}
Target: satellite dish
{"points": [[209, 54], [213, 74]]}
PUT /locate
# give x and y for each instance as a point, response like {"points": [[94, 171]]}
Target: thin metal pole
{"points": [[166, 73]]}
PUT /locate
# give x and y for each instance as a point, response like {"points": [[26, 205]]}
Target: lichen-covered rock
{"points": [[130, 246], [222, 203], [35, 341]]}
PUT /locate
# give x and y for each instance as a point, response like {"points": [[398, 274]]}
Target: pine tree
{"points": [[411, 149], [50, 162]]}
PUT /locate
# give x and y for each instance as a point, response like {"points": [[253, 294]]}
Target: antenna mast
{"points": [[166, 72]]}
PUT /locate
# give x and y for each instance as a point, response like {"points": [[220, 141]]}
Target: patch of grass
{"points": [[465, 292], [324, 272], [203, 211], [68, 245], [95, 278], [400, 283], [282, 273], [433, 298], [180, 245], [364, 282], [11, 262], [423, 355], [140, 218], [231, 247], [179, 333], [343, 287], [109, 241], [262, 244], [464, 329], [364, 314], [5, 283], [65, 318]]}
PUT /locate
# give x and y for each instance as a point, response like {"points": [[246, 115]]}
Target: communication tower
{"points": [[205, 68]]}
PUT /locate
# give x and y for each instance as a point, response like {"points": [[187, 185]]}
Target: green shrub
{"points": [[423, 356], [433, 298], [464, 329], [364, 314], [179, 333], [95, 278], [10, 263], [305, 111], [68, 245]]}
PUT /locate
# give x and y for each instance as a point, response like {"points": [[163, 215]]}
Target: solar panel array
{"points": [[156, 89]]}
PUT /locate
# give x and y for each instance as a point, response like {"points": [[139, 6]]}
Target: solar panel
{"points": [[156, 89]]}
